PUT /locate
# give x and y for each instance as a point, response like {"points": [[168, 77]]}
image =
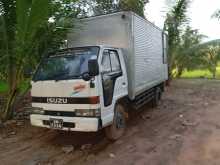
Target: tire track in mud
{"points": [[163, 118], [150, 125], [37, 145]]}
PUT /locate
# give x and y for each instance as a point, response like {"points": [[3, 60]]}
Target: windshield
{"points": [[70, 64]]}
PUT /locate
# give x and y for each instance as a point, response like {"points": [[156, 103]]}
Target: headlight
{"points": [[38, 111], [88, 112]]}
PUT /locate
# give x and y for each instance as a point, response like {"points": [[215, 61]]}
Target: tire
{"points": [[157, 97], [117, 129]]}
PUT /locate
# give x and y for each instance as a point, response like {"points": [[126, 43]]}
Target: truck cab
{"points": [[78, 89]]}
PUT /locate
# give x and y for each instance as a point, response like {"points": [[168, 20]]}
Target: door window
{"points": [[110, 62], [115, 61], [106, 64]]}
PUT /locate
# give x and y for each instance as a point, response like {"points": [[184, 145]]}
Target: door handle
{"points": [[124, 84]]}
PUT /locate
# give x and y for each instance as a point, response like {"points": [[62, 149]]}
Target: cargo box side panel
{"points": [[149, 68]]}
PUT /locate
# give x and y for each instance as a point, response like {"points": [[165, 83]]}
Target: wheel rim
{"points": [[117, 129], [120, 122]]}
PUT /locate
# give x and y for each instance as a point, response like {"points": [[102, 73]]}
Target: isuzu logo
{"points": [[57, 100]]}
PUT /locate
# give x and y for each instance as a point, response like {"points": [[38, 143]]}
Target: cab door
{"points": [[114, 82]]}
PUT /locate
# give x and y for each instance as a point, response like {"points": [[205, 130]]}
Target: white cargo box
{"points": [[143, 44]]}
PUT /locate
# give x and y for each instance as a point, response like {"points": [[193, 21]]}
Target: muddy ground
{"points": [[183, 130]]}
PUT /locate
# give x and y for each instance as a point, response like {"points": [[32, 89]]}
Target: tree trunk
{"points": [[214, 74], [170, 69], [179, 72], [9, 106], [168, 82], [12, 95], [11, 78]]}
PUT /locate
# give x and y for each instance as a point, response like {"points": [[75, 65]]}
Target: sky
{"points": [[200, 13]]}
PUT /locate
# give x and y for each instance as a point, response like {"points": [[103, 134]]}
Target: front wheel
{"points": [[117, 129]]}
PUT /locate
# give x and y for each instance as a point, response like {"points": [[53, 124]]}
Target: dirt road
{"points": [[183, 130]]}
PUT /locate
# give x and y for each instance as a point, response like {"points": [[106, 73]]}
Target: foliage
{"points": [[212, 57], [68, 8], [105, 7], [136, 6], [111, 6], [3, 87], [23, 86], [210, 52], [217, 14], [186, 59], [20, 22], [185, 49], [28, 35], [7, 33], [205, 56], [174, 24]]}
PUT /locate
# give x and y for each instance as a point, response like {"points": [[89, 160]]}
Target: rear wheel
{"points": [[117, 129], [157, 97]]}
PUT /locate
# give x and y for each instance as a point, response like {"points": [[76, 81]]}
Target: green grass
{"points": [[200, 74], [22, 87], [3, 87], [196, 74]]}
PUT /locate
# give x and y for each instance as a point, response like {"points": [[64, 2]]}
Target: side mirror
{"points": [[93, 67]]}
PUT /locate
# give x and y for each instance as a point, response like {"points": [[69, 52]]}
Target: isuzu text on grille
{"points": [[57, 100]]}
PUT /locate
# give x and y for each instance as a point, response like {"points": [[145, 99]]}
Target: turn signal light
{"points": [[94, 100]]}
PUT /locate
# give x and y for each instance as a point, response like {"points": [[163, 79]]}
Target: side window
{"points": [[106, 64], [115, 63]]}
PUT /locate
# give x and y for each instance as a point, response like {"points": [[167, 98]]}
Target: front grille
{"points": [[60, 113]]}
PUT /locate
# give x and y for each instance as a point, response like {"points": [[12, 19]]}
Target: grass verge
{"points": [[199, 73]]}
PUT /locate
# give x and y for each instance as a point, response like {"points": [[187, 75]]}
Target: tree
{"points": [[209, 55], [187, 59], [27, 35], [136, 6], [20, 22], [7, 26], [176, 19], [105, 7], [111, 6], [217, 14], [212, 58]]}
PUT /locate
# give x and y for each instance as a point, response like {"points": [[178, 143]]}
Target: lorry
{"points": [[112, 63]]}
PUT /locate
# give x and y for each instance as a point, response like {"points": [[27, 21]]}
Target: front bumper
{"points": [[81, 124]]}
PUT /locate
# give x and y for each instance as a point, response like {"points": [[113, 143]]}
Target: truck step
{"points": [[143, 98]]}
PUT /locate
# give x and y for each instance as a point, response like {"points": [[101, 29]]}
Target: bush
{"points": [[3, 87]]}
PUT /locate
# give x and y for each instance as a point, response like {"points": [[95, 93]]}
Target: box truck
{"points": [[112, 62]]}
